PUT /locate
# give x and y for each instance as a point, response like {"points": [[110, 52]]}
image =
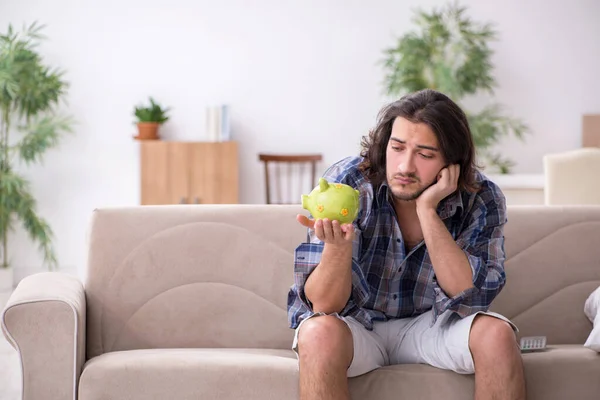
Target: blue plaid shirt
{"points": [[389, 282]]}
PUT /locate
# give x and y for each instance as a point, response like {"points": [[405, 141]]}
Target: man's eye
{"points": [[426, 156], [396, 148]]}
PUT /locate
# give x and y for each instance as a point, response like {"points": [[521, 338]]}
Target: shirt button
{"points": [[398, 240], [395, 296]]}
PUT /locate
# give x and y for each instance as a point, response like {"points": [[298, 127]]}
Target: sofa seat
{"points": [[561, 372], [182, 374]]}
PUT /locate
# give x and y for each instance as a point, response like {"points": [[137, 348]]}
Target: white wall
{"points": [[300, 76]]}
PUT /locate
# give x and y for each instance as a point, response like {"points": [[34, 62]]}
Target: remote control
{"points": [[533, 343]]}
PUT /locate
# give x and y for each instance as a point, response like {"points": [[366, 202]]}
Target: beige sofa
{"points": [[189, 302]]}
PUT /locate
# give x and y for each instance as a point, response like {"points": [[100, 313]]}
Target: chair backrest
{"points": [[288, 176], [571, 177]]}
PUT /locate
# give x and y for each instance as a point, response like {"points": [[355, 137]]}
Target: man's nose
{"points": [[407, 164]]}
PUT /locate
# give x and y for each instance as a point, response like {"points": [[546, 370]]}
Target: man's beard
{"points": [[410, 196]]}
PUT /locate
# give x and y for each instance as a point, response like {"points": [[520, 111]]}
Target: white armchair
{"points": [[572, 177]]}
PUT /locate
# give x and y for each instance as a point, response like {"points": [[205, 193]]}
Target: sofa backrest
{"points": [[190, 276], [219, 275], [552, 266]]}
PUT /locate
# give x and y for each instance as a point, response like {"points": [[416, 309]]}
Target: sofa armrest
{"points": [[44, 320]]}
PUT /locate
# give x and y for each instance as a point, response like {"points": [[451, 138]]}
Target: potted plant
{"points": [[30, 92], [450, 53], [149, 119]]}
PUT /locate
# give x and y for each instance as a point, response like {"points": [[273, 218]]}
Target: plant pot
{"points": [[147, 131], [6, 279]]}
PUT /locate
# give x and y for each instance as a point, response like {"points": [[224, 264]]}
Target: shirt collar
{"points": [[447, 208]]}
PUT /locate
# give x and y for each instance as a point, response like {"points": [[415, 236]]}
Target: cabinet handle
{"points": [[182, 201], [196, 200]]}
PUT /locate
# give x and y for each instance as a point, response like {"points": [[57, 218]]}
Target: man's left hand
{"points": [[446, 184]]}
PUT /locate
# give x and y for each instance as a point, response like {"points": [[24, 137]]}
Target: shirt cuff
{"points": [[478, 270], [459, 304], [307, 257]]}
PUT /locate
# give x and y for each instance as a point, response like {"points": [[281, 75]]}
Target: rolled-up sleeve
{"points": [[307, 257], [483, 243]]}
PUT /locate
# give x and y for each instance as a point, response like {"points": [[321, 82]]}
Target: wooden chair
{"points": [[296, 171]]}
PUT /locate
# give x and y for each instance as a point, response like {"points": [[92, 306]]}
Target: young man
{"points": [[411, 280]]}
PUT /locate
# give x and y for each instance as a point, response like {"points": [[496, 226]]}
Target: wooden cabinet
{"points": [[189, 172]]}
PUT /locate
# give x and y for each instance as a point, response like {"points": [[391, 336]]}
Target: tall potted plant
{"points": [[149, 118], [30, 92], [450, 52]]}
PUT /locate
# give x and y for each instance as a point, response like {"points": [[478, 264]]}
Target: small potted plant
{"points": [[149, 119]]}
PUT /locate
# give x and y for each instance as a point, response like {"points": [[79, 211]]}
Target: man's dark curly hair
{"points": [[446, 120]]}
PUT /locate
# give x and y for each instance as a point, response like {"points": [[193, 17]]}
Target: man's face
{"points": [[414, 159]]}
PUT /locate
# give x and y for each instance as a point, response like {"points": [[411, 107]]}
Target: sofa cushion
{"points": [[563, 372], [559, 373], [186, 374]]}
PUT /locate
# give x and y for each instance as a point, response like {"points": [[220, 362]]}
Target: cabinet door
{"points": [[164, 173], [214, 173], [154, 162], [179, 173]]}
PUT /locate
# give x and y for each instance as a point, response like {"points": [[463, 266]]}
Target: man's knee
{"points": [[325, 340], [490, 336]]}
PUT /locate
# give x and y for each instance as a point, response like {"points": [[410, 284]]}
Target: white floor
{"points": [[10, 373]]}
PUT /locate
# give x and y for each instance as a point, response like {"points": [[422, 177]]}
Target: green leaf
{"points": [[42, 134], [502, 164], [17, 201], [8, 89], [153, 113], [407, 65], [495, 124], [489, 126], [39, 231], [450, 52], [30, 92], [34, 31], [11, 187], [448, 49], [26, 83]]}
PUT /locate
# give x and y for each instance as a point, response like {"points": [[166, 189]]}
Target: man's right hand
{"points": [[330, 232]]}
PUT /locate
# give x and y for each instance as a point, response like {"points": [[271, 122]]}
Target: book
{"points": [[225, 127], [218, 128], [213, 123]]}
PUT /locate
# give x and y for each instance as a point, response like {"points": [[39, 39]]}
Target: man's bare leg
{"points": [[325, 349], [499, 373]]}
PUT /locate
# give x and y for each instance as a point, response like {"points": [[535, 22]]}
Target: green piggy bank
{"points": [[334, 201]]}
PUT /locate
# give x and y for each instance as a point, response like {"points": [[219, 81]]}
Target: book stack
{"points": [[217, 123]]}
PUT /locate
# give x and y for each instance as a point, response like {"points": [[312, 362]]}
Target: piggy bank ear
{"points": [[323, 185], [305, 204]]}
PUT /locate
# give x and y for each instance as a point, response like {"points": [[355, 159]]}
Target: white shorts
{"points": [[414, 340]]}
